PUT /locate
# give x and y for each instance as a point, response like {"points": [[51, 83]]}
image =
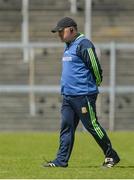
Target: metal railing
{"points": [[28, 49], [112, 89]]}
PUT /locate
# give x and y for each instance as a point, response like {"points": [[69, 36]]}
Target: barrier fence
{"points": [[112, 89]]}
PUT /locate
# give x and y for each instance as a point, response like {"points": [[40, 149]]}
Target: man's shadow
{"points": [[129, 167], [120, 167]]}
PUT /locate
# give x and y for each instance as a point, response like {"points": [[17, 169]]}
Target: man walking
{"points": [[81, 76]]}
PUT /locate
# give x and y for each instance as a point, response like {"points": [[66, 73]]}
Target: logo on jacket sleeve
{"points": [[67, 58], [84, 110]]}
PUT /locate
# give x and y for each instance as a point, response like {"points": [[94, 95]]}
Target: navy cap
{"points": [[63, 23]]}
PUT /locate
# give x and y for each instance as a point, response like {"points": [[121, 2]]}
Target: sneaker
{"points": [[52, 164], [110, 162], [49, 164]]}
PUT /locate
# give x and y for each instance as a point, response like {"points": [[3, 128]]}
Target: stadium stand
{"points": [[10, 20], [111, 21]]}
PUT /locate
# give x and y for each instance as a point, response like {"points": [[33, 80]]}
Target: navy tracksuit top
{"points": [[80, 68]]}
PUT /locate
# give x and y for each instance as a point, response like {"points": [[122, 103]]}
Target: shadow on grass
{"points": [[119, 167], [129, 167]]}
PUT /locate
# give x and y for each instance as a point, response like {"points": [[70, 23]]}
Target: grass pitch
{"points": [[22, 155]]}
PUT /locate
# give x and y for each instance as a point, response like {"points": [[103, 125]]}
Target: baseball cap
{"points": [[63, 23]]}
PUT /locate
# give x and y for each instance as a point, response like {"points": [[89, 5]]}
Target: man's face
{"points": [[65, 35]]}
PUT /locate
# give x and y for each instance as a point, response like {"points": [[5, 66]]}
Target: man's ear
{"points": [[71, 30]]}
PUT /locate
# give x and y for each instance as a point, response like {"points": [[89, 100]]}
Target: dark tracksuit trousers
{"points": [[75, 108]]}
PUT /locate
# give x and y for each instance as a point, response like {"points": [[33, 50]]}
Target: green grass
{"points": [[21, 156]]}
